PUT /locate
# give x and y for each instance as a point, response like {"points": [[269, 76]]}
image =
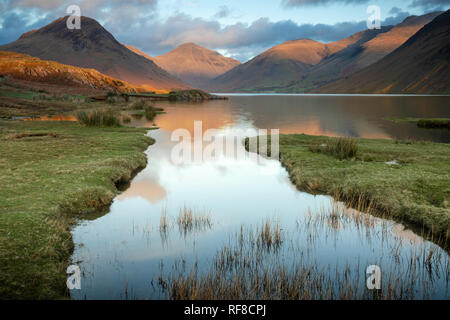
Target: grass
{"points": [[240, 270], [341, 148], [269, 236], [188, 221], [416, 191], [98, 118], [51, 172], [429, 123]]}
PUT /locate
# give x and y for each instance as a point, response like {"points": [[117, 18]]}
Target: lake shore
{"points": [[406, 181], [50, 173]]}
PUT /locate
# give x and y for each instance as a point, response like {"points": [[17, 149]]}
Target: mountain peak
{"points": [[94, 47], [195, 64]]}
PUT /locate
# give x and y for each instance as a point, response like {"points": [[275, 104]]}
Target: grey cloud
{"points": [[241, 41], [299, 3], [155, 36], [431, 4], [395, 10], [223, 12]]}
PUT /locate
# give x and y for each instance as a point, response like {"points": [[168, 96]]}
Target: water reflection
{"points": [[126, 249], [357, 116]]}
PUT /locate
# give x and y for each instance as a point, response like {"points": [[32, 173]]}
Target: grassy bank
{"points": [[49, 173], [413, 189], [428, 123]]}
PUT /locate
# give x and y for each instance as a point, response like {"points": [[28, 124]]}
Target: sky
{"points": [[236, 28]]}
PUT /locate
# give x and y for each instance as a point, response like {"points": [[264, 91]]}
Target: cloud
{"points": [[431, 4], [223, 12], [240, 40], [395, 10], [156, 36], [300, 3], [19, 16]]}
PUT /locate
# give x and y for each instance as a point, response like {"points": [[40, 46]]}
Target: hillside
{"points": [[420, 65], [278, 67], [194, 64], [372, 46], [27, 68], [139, 52], [94, 47]]}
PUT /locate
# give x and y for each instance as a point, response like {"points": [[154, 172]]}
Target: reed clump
{"points": [[188, 221], [341, 148], [269, 235], [240, 270], [98, 118]]}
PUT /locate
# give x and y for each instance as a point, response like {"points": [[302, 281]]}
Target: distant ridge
{"points": [[92, 47], [304, 65], [372, 46], [279, 66], [420, 65]]}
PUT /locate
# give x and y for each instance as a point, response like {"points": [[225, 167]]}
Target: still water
{"points": [[122, 253]]}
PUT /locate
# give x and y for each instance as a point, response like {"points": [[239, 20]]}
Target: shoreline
{"points": [[369, 184], [39, 209]]}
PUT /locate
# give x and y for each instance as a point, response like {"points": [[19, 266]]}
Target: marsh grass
{"points": [[163, 222], [189, 221], [428, 123], [269, 235], [341, 148], [414, 193], [98, 118], [241, 270], [46, 183], [434, 123], [126, 118]]}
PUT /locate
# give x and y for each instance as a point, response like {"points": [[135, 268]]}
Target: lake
{"points": [[125, 253]]}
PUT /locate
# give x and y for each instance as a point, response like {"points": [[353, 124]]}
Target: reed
{"points": [[188, 221], [98, 118], [341, 148]]}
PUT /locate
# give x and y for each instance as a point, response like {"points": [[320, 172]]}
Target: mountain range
{"points": [[303, 65], [420, 65], [410, 57]]}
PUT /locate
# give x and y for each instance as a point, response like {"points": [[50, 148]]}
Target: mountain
{"points": [[139, 52], [279, 66], [94, 47], [194, 64], [420, 65], [372, 46], [33, 70]]}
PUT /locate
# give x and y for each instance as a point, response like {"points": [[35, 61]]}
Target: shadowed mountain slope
{"points": [[94, 47]]}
